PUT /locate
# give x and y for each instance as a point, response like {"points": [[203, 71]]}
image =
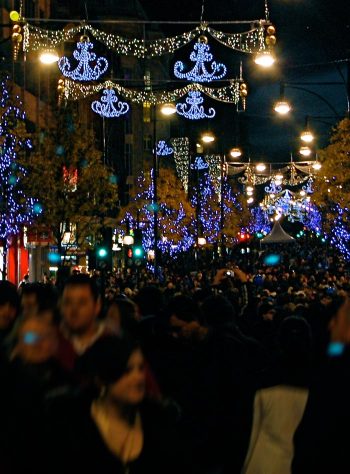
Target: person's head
{"points": [[217, 311], [266, 311], [183, 314], [149, 300], [31, 295], [339, 324], [121, 313], [295, 340], [37, 341], [80, 303], [116, 366], [9, 304]]}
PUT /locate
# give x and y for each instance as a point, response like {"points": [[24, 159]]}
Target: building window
{"points": [[146, 112], [147, 142], [128, 152], [128, 123]]}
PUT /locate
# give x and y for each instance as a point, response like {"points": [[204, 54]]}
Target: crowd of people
{"points": [[229, 370]]}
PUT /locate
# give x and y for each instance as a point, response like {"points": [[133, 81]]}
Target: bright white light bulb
{"points": [[306, 136], [305, 151], [49, 56], [317, 166], [235, 153], [207, 137], [260, 167], [264, 59], [282, 107], [168, 109]]}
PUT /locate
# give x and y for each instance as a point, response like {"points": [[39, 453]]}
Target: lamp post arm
{"points": [[319, 96]]}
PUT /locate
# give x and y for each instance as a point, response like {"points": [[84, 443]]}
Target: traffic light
{"points": [[103, 251], [138, 251]]}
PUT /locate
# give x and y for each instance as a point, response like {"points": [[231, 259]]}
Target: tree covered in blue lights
{"points": [[16, 208], [332, 188], [259, 221], [175, 214], [210, 210]]}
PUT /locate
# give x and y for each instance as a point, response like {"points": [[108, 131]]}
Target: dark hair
{"points": [[265, 308], [9, 294], [218, 310], [184, 307], [83, 279], [45, 293], [106, 360], [295, 337], [127, 310], [149, 300]]}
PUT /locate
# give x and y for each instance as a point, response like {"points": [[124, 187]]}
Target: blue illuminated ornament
{"points": [[83, 72], [196, 111], [37, 208], [163, 149], [199, 73], [273, 188], [199, 164], [106, 107], [308, 187]]}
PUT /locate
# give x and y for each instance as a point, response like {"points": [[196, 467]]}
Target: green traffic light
{"points": [[102, 253], [138, 251]]}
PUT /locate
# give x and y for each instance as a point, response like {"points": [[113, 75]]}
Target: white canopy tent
{"points": [[277, 236]]}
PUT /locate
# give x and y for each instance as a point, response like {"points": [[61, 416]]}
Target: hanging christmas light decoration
{"points": [[182, 156], [106, 107], [251, 41], [195, 111], [83, 72], [163, 149], [273, 188], [308, 188], [200, 56], [214, 171], [229, 94]]}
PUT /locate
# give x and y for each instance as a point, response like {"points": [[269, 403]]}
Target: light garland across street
{"points": [[252, 41], [229, 94]]}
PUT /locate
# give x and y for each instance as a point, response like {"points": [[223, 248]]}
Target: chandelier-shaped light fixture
{"points": [[83, 72], [192, 109], [274, 188], [106, 107], [200, 56], [163, 149]]}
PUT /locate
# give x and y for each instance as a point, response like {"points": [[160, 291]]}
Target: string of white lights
{"points": [[36, 38], [228, 94]]}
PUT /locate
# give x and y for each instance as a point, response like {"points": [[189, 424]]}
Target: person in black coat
{"points": [[114, 429], [321, 441]]}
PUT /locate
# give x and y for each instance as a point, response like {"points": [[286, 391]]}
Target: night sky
{"points": [[310, 34]]}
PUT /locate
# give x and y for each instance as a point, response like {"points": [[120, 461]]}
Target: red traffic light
{"points": [[129, 253]]}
